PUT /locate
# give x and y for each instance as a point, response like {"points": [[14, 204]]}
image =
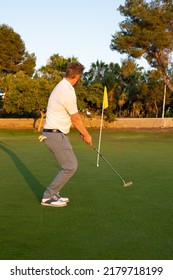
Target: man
{"points": [[62, 111]]}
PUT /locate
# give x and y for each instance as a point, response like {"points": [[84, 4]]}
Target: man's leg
{"points": [[60, 146]]}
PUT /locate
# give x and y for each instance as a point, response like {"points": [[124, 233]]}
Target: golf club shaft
{"points": [[110, 165]]}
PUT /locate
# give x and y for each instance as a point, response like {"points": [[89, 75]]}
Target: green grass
{"points": [[103, 220]]}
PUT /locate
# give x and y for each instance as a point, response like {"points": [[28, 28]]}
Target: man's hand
{"points": [[87, 139]]}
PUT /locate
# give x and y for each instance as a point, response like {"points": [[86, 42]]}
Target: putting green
{"points": [[103, 220]]}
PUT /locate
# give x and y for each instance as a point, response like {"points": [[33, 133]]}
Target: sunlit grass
{"points": [[103, 220]]}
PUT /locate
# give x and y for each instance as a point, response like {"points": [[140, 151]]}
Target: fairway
{"points": [[104, 220]]}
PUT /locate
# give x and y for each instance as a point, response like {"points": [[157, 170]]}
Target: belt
{"points": [[52, 130]]}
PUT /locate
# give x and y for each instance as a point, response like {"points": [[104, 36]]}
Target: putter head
{"points": [[127, 184]]}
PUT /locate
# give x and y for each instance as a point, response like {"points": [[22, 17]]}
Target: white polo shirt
{"points": [[62, 103]]}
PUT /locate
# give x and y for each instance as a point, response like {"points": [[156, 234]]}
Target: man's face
{"points": [[77, 78]]}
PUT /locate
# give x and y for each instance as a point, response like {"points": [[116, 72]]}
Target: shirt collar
{"points": [[68, 83]]}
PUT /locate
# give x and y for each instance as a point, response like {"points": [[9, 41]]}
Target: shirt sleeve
{"points": [[70, 104]]}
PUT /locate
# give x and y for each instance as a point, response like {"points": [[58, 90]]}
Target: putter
{"points": [[125, 184]]}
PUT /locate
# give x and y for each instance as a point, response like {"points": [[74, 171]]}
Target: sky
{"points": [[79, 28]]}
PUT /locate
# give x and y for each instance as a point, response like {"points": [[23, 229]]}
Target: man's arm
{"points": [[78, 123]]}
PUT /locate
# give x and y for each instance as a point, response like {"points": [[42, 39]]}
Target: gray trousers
{"points": [[60, 146]]}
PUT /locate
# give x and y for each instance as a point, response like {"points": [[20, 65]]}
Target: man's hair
{"points": [[73, 69]]}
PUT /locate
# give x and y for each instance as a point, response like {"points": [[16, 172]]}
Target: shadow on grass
{"points": [[30, 179]]}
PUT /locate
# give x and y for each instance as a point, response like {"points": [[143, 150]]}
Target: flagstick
{"points": [[104, 106], [100, 136]]}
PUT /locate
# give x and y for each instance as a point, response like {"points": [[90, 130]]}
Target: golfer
{"points": [[62, 112]]}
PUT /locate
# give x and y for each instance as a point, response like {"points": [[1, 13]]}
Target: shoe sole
{"points": [[67, 201], [53, 205]]}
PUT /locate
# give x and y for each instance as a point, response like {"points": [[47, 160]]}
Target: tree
{"points": [[60, 63], [111, 80], [81, 92], [5, 82], [26, 95], [56, 66], [98, 76], [147, 31], [94, 97], [96, 72], [128, 84], [13, 56]]}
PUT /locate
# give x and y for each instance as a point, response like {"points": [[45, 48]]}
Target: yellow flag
{"points": [[105, 98]]}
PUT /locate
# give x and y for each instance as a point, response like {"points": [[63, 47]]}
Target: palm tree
{"points": [[121, 101], [96, 72]]}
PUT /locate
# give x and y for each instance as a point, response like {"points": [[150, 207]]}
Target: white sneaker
{"points": [[63, 199], [53, 201]]}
